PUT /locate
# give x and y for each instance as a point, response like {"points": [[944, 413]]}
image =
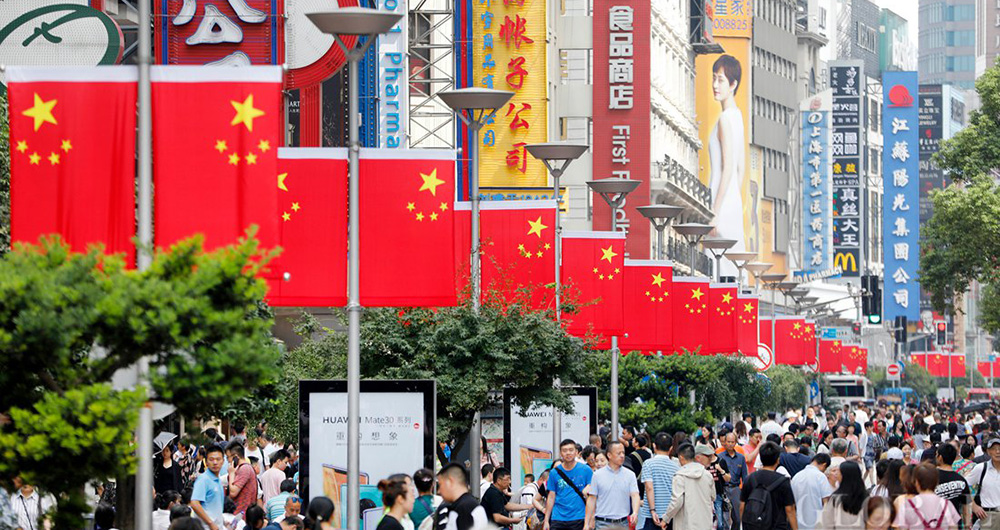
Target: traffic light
{"points": [[871, 299], [899, 329], [856, 328], [942, 333]]}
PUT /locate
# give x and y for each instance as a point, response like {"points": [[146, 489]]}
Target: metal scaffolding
{"points": [[432, 71]]}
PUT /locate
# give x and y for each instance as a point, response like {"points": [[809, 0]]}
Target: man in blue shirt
{"points": [[565, 507], [207, 496], [737, 465], [658, 479]]}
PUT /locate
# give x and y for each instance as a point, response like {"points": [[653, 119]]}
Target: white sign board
{"points": [[528, 434], [397, 433], [892, 372]]}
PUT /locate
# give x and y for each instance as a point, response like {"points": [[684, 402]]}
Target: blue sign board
{"points": [[901, 195], [816, 192]]}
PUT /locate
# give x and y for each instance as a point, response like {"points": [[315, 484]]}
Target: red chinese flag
{"points": [[72, 155], [788, 344], [518, 251], [957, 365], [746, 324], [592, 273], [216, 132], [765, 327], [937, 364], [648, 286], [989, 369], [463, 248], [855, 359], [407, 235], [691, 314], [722, 319], [809, 343], [829, 357], [311, 270]]}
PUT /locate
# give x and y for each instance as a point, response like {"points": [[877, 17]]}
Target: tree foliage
{"points": [[975, 150], [69, 322], [470, 356]]}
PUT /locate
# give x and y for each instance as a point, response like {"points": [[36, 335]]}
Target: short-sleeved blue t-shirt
{"points": [[569, 506], [208, 490]]}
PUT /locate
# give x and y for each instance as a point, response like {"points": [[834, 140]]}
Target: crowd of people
{"points": [[865, 467]]}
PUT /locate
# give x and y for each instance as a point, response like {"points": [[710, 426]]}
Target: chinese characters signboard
{"points": [[847, 82], [816, 191], [731, 18], [229, 32], [900, 212], [621, 112], [931, 133], [509, 54]]}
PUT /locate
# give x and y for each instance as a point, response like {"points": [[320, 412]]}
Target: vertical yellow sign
{"points": [[509, 54]]}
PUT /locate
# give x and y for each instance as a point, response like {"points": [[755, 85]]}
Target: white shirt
{"points": [[810, 487], [27, 508], [989, 492], [161, 520]]}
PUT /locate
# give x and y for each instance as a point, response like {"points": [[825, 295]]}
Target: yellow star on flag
{"points": [[608, 253], [34, 158], [22, 146], [251, 158], [411, 206], [538, 254], [443, 207], [420, 216], [281, 181], [595, 270], [431, 182], [748, 308], [726, 297], [221, 146], [808, 329], [697, 294], [295, 207], [536, 227], [434, 216], [66, 146], [245, 112], [41, 111], [658, 279], [235, 159], [264, 145], [53, 158], [286, 216], [546, 246], [796, 325]]}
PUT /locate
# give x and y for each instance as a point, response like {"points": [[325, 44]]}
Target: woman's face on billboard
{"points": [[722, 88]]}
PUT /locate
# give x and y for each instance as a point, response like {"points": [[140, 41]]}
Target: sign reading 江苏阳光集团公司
{"points": [[816, 222], [396, 434], [528, 433], [901, 195], [848, 85]]}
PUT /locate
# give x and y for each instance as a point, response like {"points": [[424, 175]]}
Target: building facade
{"points": [[947, 42]]}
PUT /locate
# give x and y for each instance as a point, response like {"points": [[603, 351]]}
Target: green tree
{"points": [[69, 322], [975, 150], [469, 356]]}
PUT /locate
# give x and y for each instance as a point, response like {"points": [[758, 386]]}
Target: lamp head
{"points": [[557, 150], [354, 21], [474, 98]]}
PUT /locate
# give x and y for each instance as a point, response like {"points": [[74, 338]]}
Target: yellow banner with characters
{"points": [[509, 54]]}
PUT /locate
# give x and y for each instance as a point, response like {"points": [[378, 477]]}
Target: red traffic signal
{"points": [[942, 333]]}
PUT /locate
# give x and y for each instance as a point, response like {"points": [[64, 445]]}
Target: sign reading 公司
{"points": [[900, 211], [621, 112], [816, 191], [847, 82], [229, 32], [392, 79], [509, 54]]}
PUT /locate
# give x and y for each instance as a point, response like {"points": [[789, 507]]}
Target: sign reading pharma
{"points": [[392, 78], [397, 433], [46, 33], [816, 191], [230, 32], [621, 102], [847, 82], [901, 212]]}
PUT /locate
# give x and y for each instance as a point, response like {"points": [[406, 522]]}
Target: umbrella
{"points": [[163, 439], [975, 407]]}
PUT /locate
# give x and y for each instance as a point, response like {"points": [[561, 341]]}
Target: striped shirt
{"points": [[659, 470], [30, 508]]}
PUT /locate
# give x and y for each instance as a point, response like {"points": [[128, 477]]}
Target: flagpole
{"points": [[144, 432]]}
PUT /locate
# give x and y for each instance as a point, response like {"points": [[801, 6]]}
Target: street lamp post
{"points": [[693, 232], [369, 23], [740, 260], [557, 156], [771, 280], [785, 287], [613, 191], [718, 247], [475, 107], [660, 215], [757, 268]]}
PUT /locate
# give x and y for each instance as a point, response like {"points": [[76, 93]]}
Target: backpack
{"points": [[758, 513]]}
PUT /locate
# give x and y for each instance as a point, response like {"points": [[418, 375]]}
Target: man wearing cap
{"points": [[986, 476], [705, 455], [613, 497]]}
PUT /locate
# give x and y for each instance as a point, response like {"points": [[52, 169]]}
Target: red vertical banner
{"points": [[72, 155], [765, 329], [855, 359], [809, 341], [829, 357], [311, 270], [463, 248], [788, 340], [407, 235], [621, 126], [957, 361], [216, 133], [593, 266], [722, 318], [648, 324], [691, 314], [519, 251], [747, 332]]}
